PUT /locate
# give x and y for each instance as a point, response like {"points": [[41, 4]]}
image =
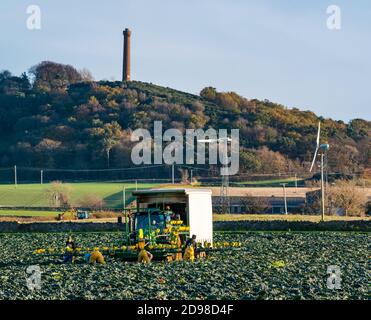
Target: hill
{"points": [[56, 117]]}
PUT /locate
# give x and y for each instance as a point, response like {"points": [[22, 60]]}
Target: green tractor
{"points": [[162, 231]]}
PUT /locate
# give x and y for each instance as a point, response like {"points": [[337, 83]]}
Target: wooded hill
{"points": [[58, 117]]}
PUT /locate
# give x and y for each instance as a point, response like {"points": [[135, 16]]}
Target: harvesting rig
{"points": [[164, 219]]}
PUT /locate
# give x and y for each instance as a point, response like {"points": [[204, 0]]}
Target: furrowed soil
{"points": [[270, 265]]}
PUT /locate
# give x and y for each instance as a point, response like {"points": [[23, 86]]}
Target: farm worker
{"points": [[144, 256], [68, 255], [87, 257], [189, 254], [169, 212], [70, 242], [191, 242], [69, 251], [96, 257], [178, 255]]}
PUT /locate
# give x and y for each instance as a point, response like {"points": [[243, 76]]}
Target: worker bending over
{"points": [[144, 256], [96, 257]]}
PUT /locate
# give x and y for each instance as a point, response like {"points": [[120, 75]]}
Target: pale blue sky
{"points": [[279, 50]]}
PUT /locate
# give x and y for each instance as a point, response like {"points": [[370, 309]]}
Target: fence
{"points": [[163, 173]]}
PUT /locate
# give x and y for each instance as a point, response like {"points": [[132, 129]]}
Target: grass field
{"points": [[27, 213], [35, 195]]}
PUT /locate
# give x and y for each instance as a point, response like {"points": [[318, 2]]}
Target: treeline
{"points": [[55, 116]]}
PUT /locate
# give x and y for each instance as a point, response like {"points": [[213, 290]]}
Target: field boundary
{"points": [[282, 225], [274, 225]]}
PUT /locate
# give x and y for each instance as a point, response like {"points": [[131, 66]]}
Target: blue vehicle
{"points": [[82, 215]]}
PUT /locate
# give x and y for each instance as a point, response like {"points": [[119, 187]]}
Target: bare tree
{"points": [[92, 201], [345, 195], [86, 75], [59, 194], [255, 205], [185, 176]]}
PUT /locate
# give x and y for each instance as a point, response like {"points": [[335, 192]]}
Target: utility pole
{"points": [[322, 189], [296, 183], [124, 197], [225, 203], [41, 176], [284, 196], [173, 173], [15, 176]]}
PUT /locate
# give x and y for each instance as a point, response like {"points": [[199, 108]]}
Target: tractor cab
{"points": [[157, 226], [151, 220]]}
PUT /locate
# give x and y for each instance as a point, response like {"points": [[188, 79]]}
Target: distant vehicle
{"points": [[82, 214]]}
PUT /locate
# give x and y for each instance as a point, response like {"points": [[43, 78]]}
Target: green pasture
{"points": [[35, 195]]}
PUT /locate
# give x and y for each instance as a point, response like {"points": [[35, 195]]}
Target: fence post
{"points": [[124, 197], [15, 176]]}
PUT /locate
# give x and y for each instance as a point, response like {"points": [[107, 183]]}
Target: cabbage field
{"points": [[271, 265]]}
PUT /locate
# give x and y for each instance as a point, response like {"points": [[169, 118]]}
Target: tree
{"points": [[108, 136], [272, 162], [4, 75], [254, 205], [92, 201], [86, 75], [208, 93], [51, 76], [249, 161], [345, 195], [12, 85], [59, 194], [184, 175]]}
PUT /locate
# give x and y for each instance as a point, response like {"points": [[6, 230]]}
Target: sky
{"points": [[280, 50]]}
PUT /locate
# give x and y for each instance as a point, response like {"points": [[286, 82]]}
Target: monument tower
{"points": [[126, 66]]}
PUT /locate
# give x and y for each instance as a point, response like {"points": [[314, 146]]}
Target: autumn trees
{"points": [[51, 76], [58, 117]]}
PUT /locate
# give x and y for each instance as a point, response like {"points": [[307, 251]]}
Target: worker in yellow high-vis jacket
{"points": [[96, 257], [144, 256], [190, 248], [189, 254]]}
